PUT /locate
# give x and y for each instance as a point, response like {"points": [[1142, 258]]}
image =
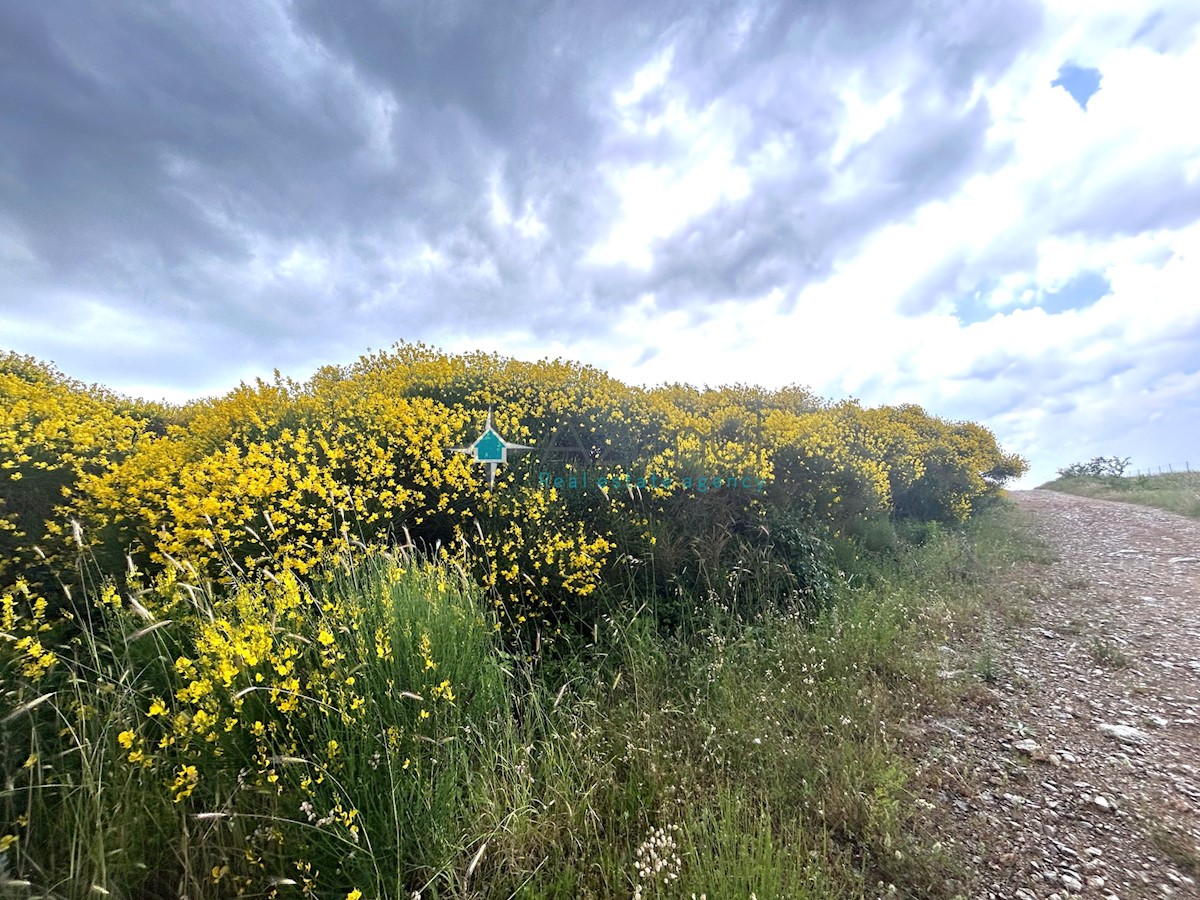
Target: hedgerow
{"points": [[278, 476]]}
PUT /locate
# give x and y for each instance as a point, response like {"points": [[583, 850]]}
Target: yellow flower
{"points": [[109, 598], [125, 739], [354, 894], [157, 708], [185, 782]]}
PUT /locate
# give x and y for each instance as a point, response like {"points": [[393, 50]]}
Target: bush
{"points": [[258, 732], [629, 493], [1098, 467]]}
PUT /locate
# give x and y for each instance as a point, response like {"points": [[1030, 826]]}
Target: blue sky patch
{"points": [[1078, 81], [974, 307], [1080, 292]]}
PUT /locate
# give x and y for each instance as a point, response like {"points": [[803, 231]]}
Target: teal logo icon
{"points": [[491, 449]]}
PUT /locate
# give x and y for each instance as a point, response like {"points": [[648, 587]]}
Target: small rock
{"points": [[1095, 882], [1102, 802], [1123, 733], [1072, 884], [1029, 746]]}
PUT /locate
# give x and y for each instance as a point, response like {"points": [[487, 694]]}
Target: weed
{"points": [[1019, 612], [1179, 847], [986, 666], [1106, 653]]}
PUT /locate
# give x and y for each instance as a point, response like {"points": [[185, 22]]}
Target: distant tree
{"points": [[1098, 467]]}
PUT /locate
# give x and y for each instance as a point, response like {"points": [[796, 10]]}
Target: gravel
{"points": [[1076, 771]]}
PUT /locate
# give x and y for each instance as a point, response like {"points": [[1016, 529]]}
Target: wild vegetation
{"points": [[289, 643], [1104, 479]]}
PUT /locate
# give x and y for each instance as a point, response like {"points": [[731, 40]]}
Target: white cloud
{"points": [[865, 117], [658, 199], [645, 82], [1067, 384]]}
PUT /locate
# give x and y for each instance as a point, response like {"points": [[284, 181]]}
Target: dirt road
{"points": [[1073, 768]]}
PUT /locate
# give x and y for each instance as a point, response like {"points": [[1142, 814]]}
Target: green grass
{"points": [[1177, 492], [1178, 846], [1106, 653], [743, 758]]}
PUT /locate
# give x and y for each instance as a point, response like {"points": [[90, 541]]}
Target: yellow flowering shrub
{"points": [[53, 431], [263, 702], [277, 476], [25, 634]]}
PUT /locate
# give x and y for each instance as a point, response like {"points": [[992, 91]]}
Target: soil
{"points": [[1071, 763]]}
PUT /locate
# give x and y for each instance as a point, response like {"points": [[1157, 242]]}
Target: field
{"points": [[1177, 492], [289, 643]]}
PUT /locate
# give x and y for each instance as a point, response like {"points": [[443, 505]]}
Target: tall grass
{"points": [[1177, 492], [744, 756]]}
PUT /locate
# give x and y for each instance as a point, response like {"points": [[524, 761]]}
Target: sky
{"points": [[987, 207]]}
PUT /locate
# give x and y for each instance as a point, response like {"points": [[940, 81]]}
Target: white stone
{"points": [[1123, 733]]}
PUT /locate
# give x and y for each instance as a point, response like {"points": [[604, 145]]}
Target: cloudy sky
{"points": [[989, 207]]}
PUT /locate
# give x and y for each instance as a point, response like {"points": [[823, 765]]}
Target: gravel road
{"points": [[1074, 769]]}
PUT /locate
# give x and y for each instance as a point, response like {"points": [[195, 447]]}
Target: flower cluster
{"points": [[657, 861], [53, 431], [266, 703], [280, 476]]}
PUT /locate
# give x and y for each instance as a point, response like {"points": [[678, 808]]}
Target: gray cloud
{"points": [[168, 159]]}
